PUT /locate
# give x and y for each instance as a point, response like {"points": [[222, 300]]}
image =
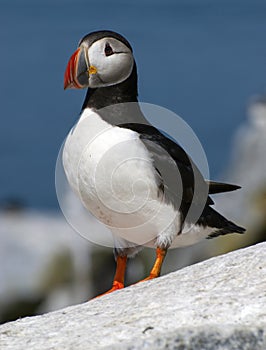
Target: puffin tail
{"points": [[220, 187]]}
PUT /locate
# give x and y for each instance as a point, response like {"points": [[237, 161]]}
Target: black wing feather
{"points": [[169, 156], [176, 169]]}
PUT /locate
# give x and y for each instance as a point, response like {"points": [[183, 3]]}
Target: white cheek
{"points": [[111, 69], [116, 68]]}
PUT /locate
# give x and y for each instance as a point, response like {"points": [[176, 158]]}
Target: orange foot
{"points": [[121, 262], [148, 278], [156, 270], [116, 286]]}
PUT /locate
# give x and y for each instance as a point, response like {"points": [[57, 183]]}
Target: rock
{"points": [[216, 304]]}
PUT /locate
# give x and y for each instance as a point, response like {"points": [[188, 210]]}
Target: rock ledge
{"points": [[217, 304]]}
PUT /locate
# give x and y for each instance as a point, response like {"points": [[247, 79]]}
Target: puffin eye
{"points": [[108, 50]]}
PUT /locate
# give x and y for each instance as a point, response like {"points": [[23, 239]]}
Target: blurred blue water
{"points": [[201, 59]]}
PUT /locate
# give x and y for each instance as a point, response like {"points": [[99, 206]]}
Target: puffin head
{"points": [[103, 58]]}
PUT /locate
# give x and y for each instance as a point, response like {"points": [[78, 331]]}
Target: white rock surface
{"points": [[216, 304]]}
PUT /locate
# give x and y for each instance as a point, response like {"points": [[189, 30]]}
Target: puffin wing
{"points": [[164, 153], [176, 172]]}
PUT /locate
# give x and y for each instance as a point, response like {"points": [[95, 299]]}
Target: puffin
{"points": [[131, 176]]}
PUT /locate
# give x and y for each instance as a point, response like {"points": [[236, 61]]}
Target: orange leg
{"points": [[156, 270], [118, 283]]}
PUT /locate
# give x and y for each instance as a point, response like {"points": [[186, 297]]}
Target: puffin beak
{"points": [[78, 70]]}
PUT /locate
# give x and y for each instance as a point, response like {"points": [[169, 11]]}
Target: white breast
{"points": [[106, 159], [111, 171]]}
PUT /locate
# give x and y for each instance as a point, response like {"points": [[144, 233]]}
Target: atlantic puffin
{"points": [[137, 181]]}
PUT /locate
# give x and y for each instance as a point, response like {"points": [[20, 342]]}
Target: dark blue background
{"points": [[201, 59]]}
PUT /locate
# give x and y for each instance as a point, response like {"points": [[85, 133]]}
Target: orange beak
{"points": [[75, 70]]}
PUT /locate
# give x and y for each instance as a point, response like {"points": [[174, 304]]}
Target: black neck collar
{"points": [[127, 91]]}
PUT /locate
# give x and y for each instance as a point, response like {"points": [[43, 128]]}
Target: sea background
{"points": [[205, 60], [202, 59]]}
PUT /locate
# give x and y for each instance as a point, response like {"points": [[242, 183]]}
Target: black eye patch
{"points": [[108, 50]]}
